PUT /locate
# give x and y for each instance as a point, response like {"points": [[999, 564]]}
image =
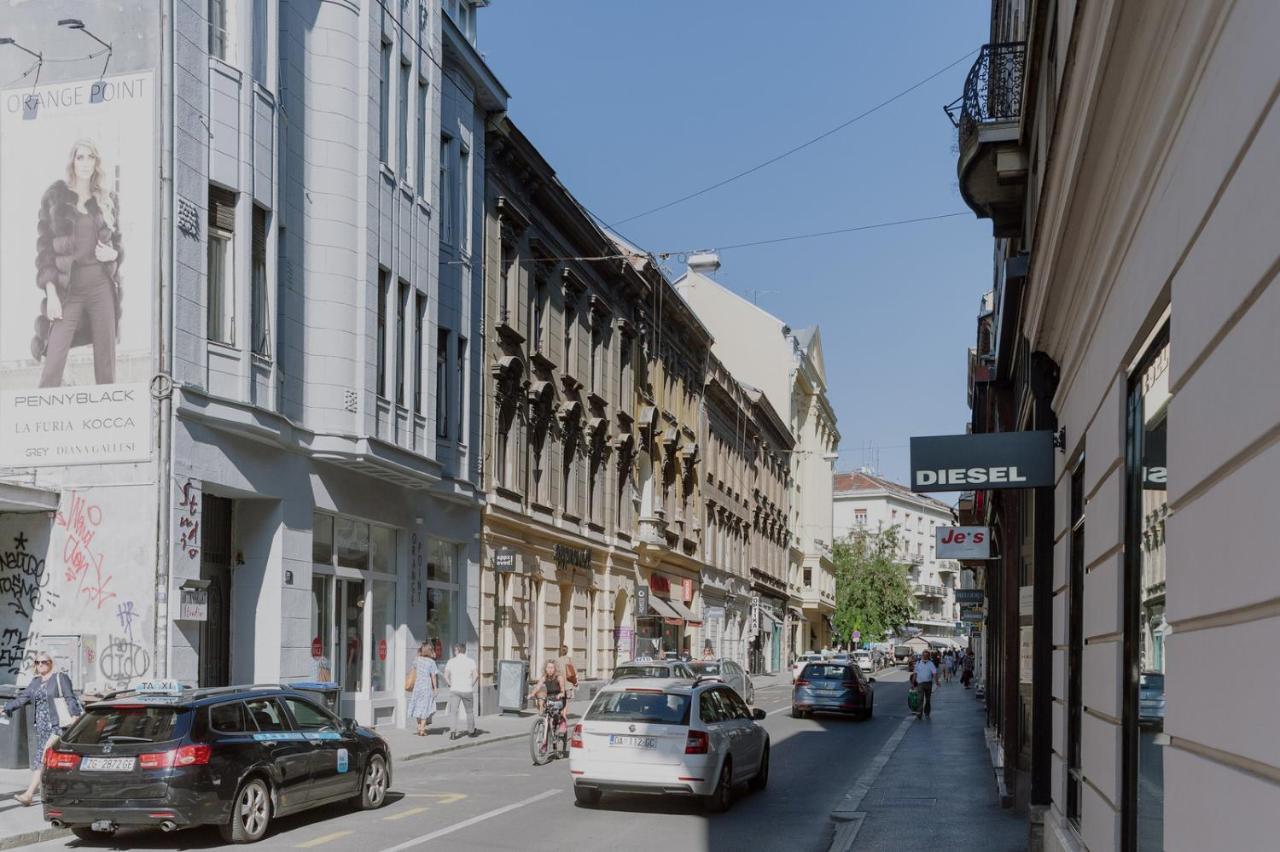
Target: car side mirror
{"points": [[349, 726], [758, 714]]}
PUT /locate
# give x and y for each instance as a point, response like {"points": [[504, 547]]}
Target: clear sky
{"points": [[637, 102]]}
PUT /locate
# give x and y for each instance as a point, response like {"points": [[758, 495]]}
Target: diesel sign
{"points": [[979, 462]]}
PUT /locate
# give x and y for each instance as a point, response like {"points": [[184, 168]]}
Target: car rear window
{"points": [[821, 671], [128, 723], [628, 705]]}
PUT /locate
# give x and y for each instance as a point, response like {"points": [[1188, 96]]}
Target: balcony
{"points": [[992, 164], [929, 591]]}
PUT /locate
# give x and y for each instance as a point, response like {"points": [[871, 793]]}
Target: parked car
{"points": [[236, 757], [865, 663], [729, 672], [833, 688], [652, 669], [1151, 699], [802, 661], [661, 737]]}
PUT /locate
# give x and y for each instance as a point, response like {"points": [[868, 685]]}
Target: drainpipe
{"points": [[162, 382]]}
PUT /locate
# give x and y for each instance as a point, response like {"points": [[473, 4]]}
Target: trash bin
{"points": [[327, 692], [13, 736]]}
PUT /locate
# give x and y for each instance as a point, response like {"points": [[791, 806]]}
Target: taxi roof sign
{"points": [[156, 687]]}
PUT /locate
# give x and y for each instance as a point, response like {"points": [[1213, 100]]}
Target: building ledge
{"points": [[15, 497]]}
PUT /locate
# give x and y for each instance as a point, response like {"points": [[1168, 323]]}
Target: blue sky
{"points": [[637, 102]]}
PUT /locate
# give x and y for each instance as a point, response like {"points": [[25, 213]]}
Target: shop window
{"points": [[382, 545], [351, 606], [382, 639], [322, 539], [442, 595], [351, 538], [322, 627], [1145, 625]]}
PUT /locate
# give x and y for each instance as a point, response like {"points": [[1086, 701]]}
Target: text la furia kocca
{"points": [[50, 99]]}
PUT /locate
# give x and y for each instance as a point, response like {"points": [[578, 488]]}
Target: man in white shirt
{"points": [[460, 674], [923, 676]]}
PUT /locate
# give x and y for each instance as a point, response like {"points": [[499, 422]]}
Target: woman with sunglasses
{"points": [[43, 691]]}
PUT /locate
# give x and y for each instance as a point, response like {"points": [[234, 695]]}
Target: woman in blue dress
{"points": [[422, 682], [44, 688]]}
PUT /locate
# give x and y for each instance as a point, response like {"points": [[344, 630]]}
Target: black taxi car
{"points": [[164, 756]]}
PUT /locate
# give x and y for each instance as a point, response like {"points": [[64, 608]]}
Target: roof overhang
{"points": [[27, 498]]}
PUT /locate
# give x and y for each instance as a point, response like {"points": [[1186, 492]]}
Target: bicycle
{"points": [[549, 737]]}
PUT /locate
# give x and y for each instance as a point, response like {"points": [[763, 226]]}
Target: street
{"points": [[491, 797]]}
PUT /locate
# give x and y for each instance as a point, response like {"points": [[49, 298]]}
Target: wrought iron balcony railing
{"points": [[992, 91]]}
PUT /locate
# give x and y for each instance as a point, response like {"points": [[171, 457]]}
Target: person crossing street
{"points": [[923, 677]]}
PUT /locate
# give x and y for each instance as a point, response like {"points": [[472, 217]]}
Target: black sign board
{"points": [[642, 601], [970, 596], [504, 560], [577, 557], [980, 462]]}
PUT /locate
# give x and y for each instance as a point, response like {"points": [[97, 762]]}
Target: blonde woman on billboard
{"points": [[78, 257]]}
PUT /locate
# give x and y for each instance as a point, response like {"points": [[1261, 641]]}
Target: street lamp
{"points": [[77, 24]]}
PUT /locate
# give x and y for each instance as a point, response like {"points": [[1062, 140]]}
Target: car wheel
{"points": [[761, 779], [373, 787], [722, 796], [250, 814], [796, 714], [586, 796]]}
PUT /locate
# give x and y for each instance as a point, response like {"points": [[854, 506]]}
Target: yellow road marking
{"points": [[445, 798], [322, 839], [403, 814]]}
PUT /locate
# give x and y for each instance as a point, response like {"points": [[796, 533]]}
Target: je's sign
{"points": [[963, 542], [994, 460]]}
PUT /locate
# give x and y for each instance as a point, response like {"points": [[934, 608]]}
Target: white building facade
{"points": [[304, 499], [787, 366], [866, 503]]}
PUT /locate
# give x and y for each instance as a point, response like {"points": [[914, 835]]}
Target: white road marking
{"points": [[467, 823]]}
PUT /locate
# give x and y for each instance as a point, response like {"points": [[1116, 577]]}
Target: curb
{"points": [[13, 841], [447, 749]]}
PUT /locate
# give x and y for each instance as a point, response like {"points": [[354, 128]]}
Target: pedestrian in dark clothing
{"points": [[923, 678]]}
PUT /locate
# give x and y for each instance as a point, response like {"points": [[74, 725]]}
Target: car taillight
{"points": [[802, 682], [60, 759], [576, 742], [188, 755], [696, 743]]}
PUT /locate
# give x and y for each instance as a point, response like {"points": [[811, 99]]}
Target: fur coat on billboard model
{"points": [[55, 253]]}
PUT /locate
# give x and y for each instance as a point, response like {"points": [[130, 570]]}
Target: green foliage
{"points": [[873, 592]]}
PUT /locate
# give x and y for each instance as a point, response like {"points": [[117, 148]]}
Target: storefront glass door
{"points": [[351, 662]]}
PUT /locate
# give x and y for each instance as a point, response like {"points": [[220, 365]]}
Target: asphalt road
{"points": [[492, 798]]}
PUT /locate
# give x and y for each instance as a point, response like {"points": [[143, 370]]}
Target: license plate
{"points": [[828, 693], [107, 764], [623, 741]]}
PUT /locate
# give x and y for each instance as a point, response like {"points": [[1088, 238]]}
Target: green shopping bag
{"points": [[913, 700]]}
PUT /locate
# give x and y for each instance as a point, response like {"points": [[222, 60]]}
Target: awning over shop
{"points": [[26, 498], [684, 612], [662, 608], [766, 614]]}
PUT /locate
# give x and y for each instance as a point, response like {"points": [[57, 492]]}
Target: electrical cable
{"points": [[815, 234], [797, 148]]}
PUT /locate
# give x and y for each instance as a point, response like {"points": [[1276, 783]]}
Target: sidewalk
{"points": [[18, 825], [937, 789]]}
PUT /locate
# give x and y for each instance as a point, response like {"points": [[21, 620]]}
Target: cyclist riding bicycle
{"points": [[555, 691]]}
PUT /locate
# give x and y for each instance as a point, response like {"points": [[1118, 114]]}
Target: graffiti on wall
{"points": [[23, 579], [188, 524], [81, 558]]}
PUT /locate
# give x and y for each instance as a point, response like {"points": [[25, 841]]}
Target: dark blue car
{"points": [[833, 688]]}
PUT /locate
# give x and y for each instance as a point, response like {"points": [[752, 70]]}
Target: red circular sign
{"points": [[316, 650], [382, 649]]}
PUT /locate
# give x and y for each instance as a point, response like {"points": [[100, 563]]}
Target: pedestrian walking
{"points": [[56, 709], [966, 673], [422, 684], [460, 674], [564, 664], [923, 678]]}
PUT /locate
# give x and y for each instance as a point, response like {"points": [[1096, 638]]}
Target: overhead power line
{"points": [[815, 234], [753, 169]]}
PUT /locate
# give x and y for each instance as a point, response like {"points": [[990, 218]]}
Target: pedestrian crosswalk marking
{"points": [[322, 839], [403, 814]]}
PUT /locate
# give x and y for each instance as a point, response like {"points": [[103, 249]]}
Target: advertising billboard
{"points": [[77, 274], [997, 460]]}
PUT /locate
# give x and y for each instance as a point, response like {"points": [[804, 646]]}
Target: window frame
{"points": [[220, 29], [259, 285], [224, 332], [442, 383], [384, 105], [380, 337]]}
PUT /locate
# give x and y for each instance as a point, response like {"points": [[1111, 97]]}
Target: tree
{"points": [[873, 592]]}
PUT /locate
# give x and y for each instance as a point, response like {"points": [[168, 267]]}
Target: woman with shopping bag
{"points": [[56, 709]]}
